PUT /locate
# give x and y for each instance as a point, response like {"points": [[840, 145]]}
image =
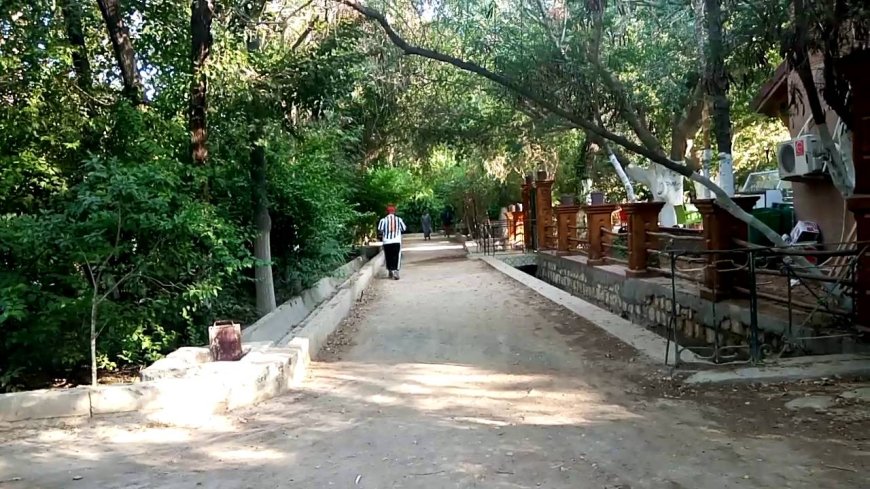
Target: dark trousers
{"points": [[392, 253]]}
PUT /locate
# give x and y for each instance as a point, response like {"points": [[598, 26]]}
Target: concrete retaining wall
{"points": [[186, 384]]}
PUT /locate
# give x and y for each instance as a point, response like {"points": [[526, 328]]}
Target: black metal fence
{"points": [[811, 294]]}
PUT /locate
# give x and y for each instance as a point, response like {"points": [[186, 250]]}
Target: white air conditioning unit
{"points": [[801, 157]]}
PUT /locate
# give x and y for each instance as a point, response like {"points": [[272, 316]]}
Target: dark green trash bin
{"points": [[773, 219]]}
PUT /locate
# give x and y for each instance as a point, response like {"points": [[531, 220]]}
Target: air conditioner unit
{"points": [[801, 157]]}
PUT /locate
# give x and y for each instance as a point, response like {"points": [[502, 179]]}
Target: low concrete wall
{"points": [[186, 384], [310, 337], [277, 323], [648, 302]]}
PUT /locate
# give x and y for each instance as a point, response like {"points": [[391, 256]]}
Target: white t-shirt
{"points": [[392, 227]]}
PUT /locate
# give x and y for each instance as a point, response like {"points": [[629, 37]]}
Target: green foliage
{"points": [[100, 205]]}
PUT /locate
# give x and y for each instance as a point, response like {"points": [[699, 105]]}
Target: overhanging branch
{"points": [[659, 158]]}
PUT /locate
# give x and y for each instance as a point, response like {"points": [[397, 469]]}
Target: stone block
{"points": [[276, 324], [45, 404], [710, 336], [184, 398], [192, 354], [118, 398]]}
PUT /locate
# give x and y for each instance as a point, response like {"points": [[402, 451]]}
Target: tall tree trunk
{"points": [[265, 285], [72, 22], [122, 45], [716, 80], [94, 304], [201, 13], [686, 124]]}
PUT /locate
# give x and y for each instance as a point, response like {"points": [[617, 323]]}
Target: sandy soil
{"points": [[458, 377]]}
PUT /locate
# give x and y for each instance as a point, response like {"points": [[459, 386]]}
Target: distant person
{"points": [[447, 220], [391, 228], [426, 223]]}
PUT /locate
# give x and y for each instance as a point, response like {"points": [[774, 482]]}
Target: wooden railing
{"points": [[578, 240]]}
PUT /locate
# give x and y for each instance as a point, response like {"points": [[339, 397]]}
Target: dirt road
{"points": [[454, 377]]}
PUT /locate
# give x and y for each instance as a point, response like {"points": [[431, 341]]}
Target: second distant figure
{"points": [[426, 224]]}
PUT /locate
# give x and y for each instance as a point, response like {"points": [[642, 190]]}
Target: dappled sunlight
{"points": [[473, 394], [428, 248], [246, 455], [155, 435]]}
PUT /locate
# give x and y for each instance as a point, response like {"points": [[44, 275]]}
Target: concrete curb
{"points": [[643, 340], [811, 367], [310, 337], [186, 385]]}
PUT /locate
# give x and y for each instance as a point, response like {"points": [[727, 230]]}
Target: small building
{"points": [[816, 199]]}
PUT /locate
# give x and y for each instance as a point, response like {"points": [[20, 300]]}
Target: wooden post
{"points": [[860, 207], [566, 218], [597, 217], [511, 226], [544, 208], [720, 231], [527, 209], [643, 218], [519, 227]]}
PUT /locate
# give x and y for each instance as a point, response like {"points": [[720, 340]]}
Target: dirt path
{"points": [[455, 377]]}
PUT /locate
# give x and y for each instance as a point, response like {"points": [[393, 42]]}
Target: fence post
{"points": [[544, 208], [643, 217], [527, 209], [720, 231], [566, 218], [597, 216], [511, 225]]}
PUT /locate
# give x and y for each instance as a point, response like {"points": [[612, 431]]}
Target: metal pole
{"points": [[790, 314], [674, 313], [753, 311]]}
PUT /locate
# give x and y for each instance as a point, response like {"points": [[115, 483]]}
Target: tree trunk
{"points": [[716, 80], [617, 165], [201, 13], [687, 123], [265, 284], [72, 22], [620, 172], [94, 304], [122, 45]]}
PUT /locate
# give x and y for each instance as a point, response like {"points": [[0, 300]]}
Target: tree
{"points": [[201, 13], [72, 17], [650, 149], [716, 83], [122, 46]]}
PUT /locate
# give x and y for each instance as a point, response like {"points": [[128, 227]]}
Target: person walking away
{"points": [[426, 223], [447, 220], [392, 227]]}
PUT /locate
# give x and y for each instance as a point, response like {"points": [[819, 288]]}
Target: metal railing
{"points": [[833, 297]]}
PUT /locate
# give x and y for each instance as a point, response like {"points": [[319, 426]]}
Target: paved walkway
{"points": [[454, 377]]}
